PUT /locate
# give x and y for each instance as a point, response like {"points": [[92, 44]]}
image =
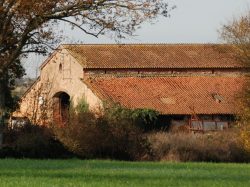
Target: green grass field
{"points": [[48, 173]]}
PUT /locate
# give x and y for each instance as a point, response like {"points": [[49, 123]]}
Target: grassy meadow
{"points": [[19, 173]]}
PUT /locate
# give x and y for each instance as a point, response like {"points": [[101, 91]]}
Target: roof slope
{"points": [[154, 56], [171, 95]]}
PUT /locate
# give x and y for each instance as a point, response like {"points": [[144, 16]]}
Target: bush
{"points": [[117, 133], [32, 141], [213, 147]]}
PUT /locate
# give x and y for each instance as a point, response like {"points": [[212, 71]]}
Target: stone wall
{"points": [[61, 73]]}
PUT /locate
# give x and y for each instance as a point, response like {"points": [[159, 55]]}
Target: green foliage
{"points": [[141, 118], [82, 106], [9, 103]]}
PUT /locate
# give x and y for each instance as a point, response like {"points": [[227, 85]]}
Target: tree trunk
{"points": [[2, 109], [2, 96]]}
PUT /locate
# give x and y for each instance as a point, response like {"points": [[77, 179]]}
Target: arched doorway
{"points": [[61, 103]]}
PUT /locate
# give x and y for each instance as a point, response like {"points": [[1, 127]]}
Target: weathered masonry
{"points": [[192, 84]]}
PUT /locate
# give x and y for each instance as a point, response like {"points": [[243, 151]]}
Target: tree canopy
{"points": [[28, 25], [237, 34]]}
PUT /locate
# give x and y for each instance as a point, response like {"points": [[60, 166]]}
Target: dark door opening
{"points": [[61, 103]]}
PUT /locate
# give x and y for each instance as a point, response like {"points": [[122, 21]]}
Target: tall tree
{"points": [[28, 26], [237, 33]]}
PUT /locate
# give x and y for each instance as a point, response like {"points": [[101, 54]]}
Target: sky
{"points": [[193, 21]]}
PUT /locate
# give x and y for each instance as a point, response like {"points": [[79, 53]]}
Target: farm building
{"points": [[193, 84]]}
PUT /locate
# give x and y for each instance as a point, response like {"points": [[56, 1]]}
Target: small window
{"points": [[217, 97], [168, 100], [40, 100], [60, 67]]}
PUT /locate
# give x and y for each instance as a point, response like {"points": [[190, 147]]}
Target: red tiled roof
{"points": [[154, 56], [171, 95]]}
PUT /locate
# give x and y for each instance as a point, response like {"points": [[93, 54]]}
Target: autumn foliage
{"points": [[29, 26], [237, 34]]}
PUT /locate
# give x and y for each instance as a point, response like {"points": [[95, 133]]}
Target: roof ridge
{"points": [[98, 76], [139, 44]]}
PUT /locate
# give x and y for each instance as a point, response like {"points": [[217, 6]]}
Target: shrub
{"points": [[145, 119], [32, 141], [82, 106], [215, 147], [117, 133]]}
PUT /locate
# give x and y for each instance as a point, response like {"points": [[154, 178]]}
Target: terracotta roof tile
{"points": [[171, 95], [154, 56]]}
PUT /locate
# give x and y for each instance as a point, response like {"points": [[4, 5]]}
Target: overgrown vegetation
{"points": [[124, 134], [224, 146], [116, 133], [120, 133], [32, 141]]}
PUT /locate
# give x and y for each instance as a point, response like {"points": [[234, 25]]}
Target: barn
{"points": [[192, 84]]}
